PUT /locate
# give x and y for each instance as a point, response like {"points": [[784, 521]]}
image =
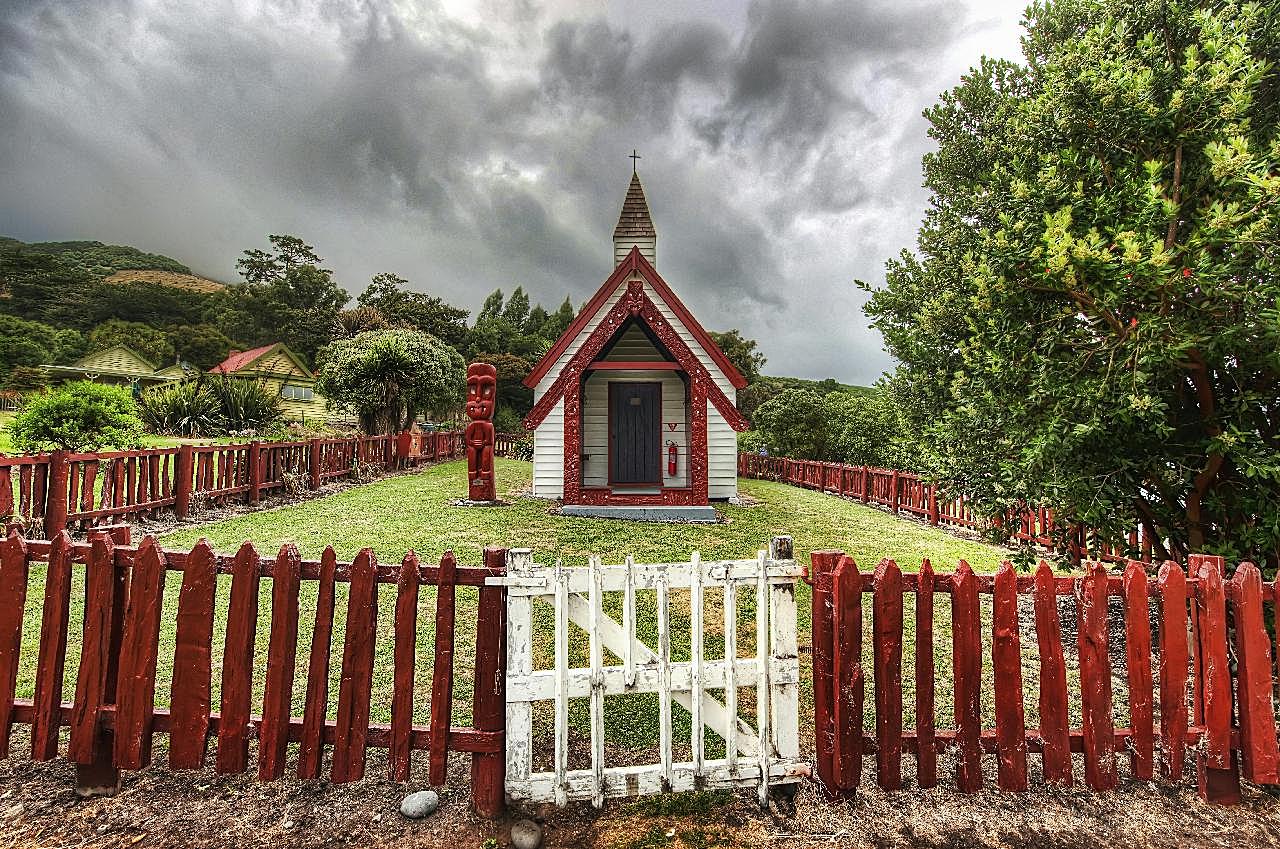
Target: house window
{"points": [[294, 392]]}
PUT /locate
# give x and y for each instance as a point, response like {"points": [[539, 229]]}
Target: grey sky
{"points": [[471, 145]]}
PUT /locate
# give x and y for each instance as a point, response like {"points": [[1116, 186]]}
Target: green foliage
{"points": [[39, 287], [511, 326], [210, 406], [287, 297], [245, 405], [742, 352], [839, 427], [362, 319], [1091, 321], [104, 260], [507, 420], [33, 343], [752, 397], [79, 416], [387, 377], [155, 304], [152, 344], [386, 293], [26, 379], [202, 345], [181, 408]]}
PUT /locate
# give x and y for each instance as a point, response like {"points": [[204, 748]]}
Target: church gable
{"points": [[635, 304], [636, 268]]}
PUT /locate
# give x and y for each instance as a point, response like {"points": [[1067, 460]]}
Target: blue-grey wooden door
{"points": [[635, 433]]}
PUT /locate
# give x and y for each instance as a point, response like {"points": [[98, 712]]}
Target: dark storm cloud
{"points": [[475, 153]]}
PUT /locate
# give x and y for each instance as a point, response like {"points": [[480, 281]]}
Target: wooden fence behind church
{"points": [[907, 493], [50, 492]]}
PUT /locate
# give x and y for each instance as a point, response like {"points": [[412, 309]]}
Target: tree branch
{"points": [[1171, 236]]}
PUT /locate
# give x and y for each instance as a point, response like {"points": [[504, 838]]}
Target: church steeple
{"points": [[635, 227]]}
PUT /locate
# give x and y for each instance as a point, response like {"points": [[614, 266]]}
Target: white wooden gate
{"points": [[767, 754]]}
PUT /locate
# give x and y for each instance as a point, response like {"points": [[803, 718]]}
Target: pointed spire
{"points": [[635, 227]]}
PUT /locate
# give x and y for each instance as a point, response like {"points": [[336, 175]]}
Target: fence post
{"points": [[255, 472], [313, 450], [866, 485], [404, 447], [100, 776], [1217, 760], [822, 565], [55, 506], [893, 495], [933, 504], [182, 475], [489, 711]]}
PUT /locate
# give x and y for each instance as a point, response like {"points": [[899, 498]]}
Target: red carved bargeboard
{"points": [[636, 304]]}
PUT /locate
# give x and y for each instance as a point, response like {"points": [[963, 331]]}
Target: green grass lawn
{"points": [[414, 511]]}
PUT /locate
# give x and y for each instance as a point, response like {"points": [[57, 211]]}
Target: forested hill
{"points": [[96, 258], [59, 300]]}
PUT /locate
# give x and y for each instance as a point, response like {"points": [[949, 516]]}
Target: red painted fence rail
{"points": [[906, 492], [1226, 718], [62, 490], [113, 714]]}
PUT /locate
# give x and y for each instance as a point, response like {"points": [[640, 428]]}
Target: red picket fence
{"points": [[1225, 718], [114, 716], [427, 447], [906, 492], [66, 490]]}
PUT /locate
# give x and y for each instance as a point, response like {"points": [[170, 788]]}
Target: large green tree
{"points": [[288, 297], [387, 377], [1091, 318], [144, 339], [744, 353], [862, 429], [32, 343], [389, 295]]}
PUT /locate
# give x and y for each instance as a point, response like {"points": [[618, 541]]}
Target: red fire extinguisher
{"points": [[672, 453]]}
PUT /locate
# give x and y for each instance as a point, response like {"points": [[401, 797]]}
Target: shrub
{"points": [[185, 408], [80, 416], [246, 404], [507, 420], [522, 448], [387, 377]]}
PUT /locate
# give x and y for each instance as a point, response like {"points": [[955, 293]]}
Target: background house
{"points": [[283, 373], [115, 365]]}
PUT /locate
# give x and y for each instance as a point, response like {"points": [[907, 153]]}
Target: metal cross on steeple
{"points": [[634, 156]]}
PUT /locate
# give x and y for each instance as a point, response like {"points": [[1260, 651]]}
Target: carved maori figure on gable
{"points": [[482, 385]]}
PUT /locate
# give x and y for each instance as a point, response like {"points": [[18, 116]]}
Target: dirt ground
{"points": [[156, 807]]}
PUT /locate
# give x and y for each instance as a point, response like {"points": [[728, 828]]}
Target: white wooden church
{"points": [[635, 405]]}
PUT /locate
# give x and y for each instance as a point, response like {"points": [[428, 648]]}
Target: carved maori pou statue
{"points": [[482, 390]]}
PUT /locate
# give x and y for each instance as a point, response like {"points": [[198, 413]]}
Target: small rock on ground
{"points": [[526, 834], [421, 804]]}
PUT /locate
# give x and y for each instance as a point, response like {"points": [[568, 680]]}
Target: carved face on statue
{"points": [[482, 387]]}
